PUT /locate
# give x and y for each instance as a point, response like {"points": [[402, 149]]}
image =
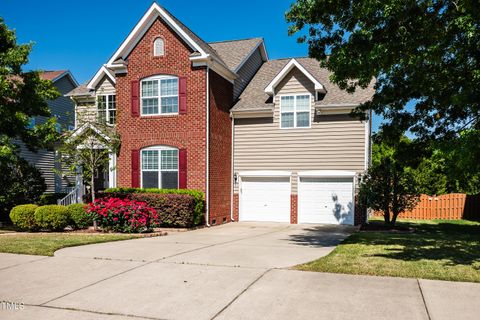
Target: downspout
{"points": [[231, 170], [207, 145]]}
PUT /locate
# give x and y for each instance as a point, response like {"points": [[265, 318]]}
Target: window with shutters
{"points": [[159, 167], [159, 95], [158, 47]]}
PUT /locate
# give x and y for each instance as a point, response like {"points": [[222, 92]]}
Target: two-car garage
{"points": [[323, 197]]}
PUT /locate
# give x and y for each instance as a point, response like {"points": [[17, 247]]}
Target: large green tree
{"points": [[389, 184], [23, 96], [421, 53]]}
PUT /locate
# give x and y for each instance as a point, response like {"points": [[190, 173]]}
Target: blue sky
{"points": [[81, 35]]}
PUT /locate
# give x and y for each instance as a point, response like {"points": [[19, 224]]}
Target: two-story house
{"points": [[62, 109], [266, 140]]}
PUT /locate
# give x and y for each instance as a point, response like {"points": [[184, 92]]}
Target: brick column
{"points": [[293, 208], [360, 213], [235, 207]]}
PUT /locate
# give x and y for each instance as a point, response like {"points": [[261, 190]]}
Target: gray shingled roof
{"points": [[205, 46], [81, 90], [234, 52], [254, 96]]}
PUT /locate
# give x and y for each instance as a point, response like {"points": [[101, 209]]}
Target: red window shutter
{"points": [[182, 95], [182, 168], [135, 98], [135, 168]]}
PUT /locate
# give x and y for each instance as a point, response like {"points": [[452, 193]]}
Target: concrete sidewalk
{"points": [[236, 271]]}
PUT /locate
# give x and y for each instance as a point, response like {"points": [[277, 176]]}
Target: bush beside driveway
{"points": [[436, 249]]}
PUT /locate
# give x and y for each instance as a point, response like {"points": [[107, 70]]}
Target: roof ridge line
{"points": [[236, 40]]}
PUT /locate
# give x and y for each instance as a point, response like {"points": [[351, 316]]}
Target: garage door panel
{"points": [[265, 199], [325, 200]]}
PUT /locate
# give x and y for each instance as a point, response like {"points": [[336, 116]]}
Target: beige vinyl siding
{"points": [[105, 86], [246, 72], [86, 107], [331, 143]]}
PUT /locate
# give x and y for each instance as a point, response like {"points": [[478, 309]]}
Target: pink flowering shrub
{"points": [[122, 215]]}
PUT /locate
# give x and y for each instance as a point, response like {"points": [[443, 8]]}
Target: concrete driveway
{"points": [[234, 271]]}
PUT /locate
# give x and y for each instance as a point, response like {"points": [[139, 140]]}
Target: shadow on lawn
{"points": [[454, 242], [321, 236]]}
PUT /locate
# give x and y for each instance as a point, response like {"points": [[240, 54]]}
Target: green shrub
{"points": [[20, 182], [52, 217], [79, 218], [50, 198], [198, 196], [23, 216]]}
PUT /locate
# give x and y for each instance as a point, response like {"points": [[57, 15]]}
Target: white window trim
{"points": [[155, 53], [107, 109], [160, 170], [295, 110], [158, 78]]}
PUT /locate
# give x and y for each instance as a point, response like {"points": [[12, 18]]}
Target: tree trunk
{"points": [[92, 187], [386, 216], [394, 218]]}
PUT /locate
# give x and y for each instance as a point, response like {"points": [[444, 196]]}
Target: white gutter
{"points": [[207, 145], [231, 170]]}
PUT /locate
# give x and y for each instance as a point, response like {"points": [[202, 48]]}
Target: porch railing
{"points": [[74, 196]]}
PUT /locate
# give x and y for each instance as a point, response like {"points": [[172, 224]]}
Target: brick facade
{"points": [[236, 210], [181, 131], [220, 148], [293, 208]]}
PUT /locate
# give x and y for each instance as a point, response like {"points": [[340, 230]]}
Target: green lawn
{"points": [[438, 249], [45, 244]]}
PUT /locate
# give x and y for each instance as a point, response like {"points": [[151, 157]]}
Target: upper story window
{"points": [[295, 111], [107, 108], [159, 95], [160, 167], [158, 47]]}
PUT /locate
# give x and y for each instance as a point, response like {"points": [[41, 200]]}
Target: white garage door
{"points": [[325, 200], [265, 199]]}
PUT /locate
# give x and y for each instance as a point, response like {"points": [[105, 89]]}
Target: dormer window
{"points": [[295, 111], [158, 47]]}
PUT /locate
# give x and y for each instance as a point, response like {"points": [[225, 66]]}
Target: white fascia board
{"points": [[252, 113], [84, 127], [208, 61], [98, 76], [265, 173], [327, 173], [290, 65], [142, 26], [66, 73]]}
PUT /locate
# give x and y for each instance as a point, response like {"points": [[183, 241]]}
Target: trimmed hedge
{"points": [[166, 210], [79, 218], [23, 216], [52, 217]]}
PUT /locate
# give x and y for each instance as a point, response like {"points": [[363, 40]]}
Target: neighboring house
{"points": [[63, 109], [266, 140]]}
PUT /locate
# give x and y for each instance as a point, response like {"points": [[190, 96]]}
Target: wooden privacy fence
{"points": [[447, 206]]}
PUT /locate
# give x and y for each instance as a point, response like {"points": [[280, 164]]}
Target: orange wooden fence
{"points": [[447, 206]]}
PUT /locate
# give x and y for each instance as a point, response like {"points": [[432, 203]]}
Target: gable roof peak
{"points": [[293, 63]]}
